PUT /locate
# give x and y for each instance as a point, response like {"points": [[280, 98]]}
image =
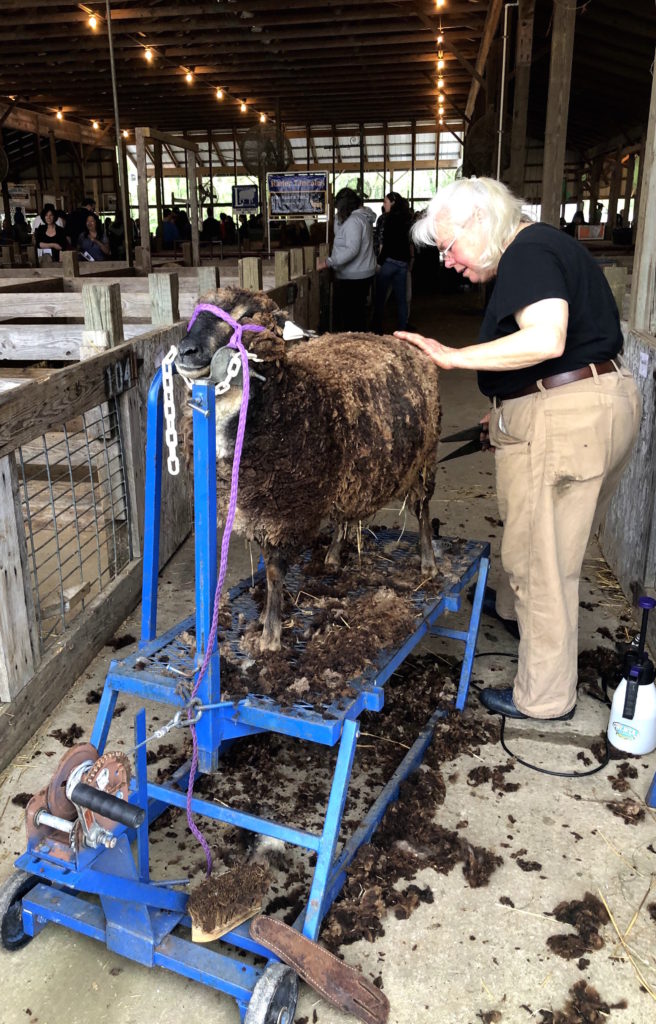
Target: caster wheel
{"points": [[274, 997], [12, 934]]}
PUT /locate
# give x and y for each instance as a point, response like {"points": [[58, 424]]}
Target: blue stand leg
{"points": [[650, 799], [335, 809], [472, 634]]}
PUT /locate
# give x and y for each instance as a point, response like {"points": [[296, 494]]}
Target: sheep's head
{"points": [[203, 350]]}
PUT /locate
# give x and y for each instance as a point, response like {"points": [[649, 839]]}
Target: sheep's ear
{"points": [[265, 345]]}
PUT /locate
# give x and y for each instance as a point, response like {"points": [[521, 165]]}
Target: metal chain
{"points": [[170, 433], [234, 368]]}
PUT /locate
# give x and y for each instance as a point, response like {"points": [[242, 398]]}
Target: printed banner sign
{"points": [[298, 194]]}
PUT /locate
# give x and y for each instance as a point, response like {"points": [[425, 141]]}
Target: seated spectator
{"points": [[168, 229], [92, 243], [229, 231], [182, 223], [77, 219], [243, 227], [211, 230], [22, 233], [50, 235]]}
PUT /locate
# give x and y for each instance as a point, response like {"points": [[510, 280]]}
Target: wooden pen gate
{"points": [[72, 449]]}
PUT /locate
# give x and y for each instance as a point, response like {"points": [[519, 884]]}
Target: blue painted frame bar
{"points": [[152, 506]]}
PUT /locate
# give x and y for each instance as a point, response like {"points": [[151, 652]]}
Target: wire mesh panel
{"points": [[76, 515]]}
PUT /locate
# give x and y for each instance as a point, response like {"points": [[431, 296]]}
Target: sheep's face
{"points": [[203, 352]]}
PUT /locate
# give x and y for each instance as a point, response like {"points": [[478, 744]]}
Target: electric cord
{"points": [[528, 764]]}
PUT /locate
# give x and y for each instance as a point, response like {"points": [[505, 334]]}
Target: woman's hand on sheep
{"points": [[443, 356]]}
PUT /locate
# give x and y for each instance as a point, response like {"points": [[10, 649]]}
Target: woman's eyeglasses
{"points": [[443, 251]]}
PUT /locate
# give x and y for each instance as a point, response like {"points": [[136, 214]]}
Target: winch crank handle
{"points": [[108, 806]]}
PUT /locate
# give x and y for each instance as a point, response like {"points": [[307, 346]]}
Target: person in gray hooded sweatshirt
{"points": [[353, 261]]}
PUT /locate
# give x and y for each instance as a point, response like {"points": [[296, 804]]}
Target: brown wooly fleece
{"points": [[343, 423]]}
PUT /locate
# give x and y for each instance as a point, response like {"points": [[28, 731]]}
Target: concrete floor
{"points": [[469, 956]]}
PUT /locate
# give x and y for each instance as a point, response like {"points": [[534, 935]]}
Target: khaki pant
{"points": [[559, 457]]}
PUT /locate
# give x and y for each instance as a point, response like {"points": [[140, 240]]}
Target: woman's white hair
{"points": [[458, 202]]}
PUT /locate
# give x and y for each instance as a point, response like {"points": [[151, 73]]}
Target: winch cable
{"points": [[528, 764], [235, 342]]}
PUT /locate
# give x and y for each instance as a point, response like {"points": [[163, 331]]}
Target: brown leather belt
{"points": [[558, 379]]}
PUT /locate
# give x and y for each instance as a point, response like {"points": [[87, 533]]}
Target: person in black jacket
{"points": [[49, 235], [393, 261]]}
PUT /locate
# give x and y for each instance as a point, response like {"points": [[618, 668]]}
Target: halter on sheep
{"points": [[340, 425]]}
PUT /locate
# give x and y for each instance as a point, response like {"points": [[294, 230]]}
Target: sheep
{"points": [[337, 426]]}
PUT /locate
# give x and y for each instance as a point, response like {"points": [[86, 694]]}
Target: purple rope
{"points": [[236, 343]]}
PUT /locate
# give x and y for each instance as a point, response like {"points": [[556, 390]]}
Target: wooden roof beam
{"points": [[489, 32]]}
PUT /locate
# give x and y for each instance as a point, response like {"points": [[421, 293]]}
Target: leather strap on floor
{"points": [[340, 984]]}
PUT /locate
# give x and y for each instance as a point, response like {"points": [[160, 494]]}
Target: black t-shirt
{"points": [[59, 237], [544, 263]]}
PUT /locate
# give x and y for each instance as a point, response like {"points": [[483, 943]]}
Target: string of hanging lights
{"points": [[150, 55]]}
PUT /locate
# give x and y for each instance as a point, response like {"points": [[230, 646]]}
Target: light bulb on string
{"points": [[124, 133], [440, 39], [440, 64], [439, 4], [440, 83], [441, 120], [148, 54], [189, 78], [95, 126], [262, 118], [219, 94], [243, 107], [93, 22], [59, 115]]}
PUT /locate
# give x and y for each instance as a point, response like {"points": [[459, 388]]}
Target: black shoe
{"points": [[488, 607], [501, 702]]}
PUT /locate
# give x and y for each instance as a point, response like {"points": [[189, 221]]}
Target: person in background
{"points": [[182, 223], [564, 420], [50, 235], [77, 219], [92, 241], [393, 261], [353, 261], [22, 233], [211, 230], [168, 229]]}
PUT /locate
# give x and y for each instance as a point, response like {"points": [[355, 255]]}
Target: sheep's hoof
{"points": [[428, 567], [334, 561], [269, 643]]}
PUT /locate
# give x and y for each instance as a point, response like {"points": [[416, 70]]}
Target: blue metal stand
{"points": [[135, 916]]}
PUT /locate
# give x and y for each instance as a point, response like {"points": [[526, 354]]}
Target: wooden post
{"points": [[70, 262], [19, 643], [595, 174], [192, 188], [309, 258], [55, 165], [323, 250], [560, 77], [295, 263], [520, 103], [102, 313], [413, 161], [142, 191], [209, 279], [187, 254], [642, 316], [628, 189], [281, 267], [638, 192], [157, 147], [613, 195], [164, 291], [250, 273]]}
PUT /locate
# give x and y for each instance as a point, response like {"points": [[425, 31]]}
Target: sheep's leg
{"points": [[276, 567], [428, 564], [334, 553]]}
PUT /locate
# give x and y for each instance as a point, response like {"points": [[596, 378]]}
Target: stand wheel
{"points": [[12, 934], [274, 997]]}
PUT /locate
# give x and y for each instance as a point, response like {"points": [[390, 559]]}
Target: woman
{"points": [[92, 241], [352, 258], [49, 235], [393, 260], [564, 419]]}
